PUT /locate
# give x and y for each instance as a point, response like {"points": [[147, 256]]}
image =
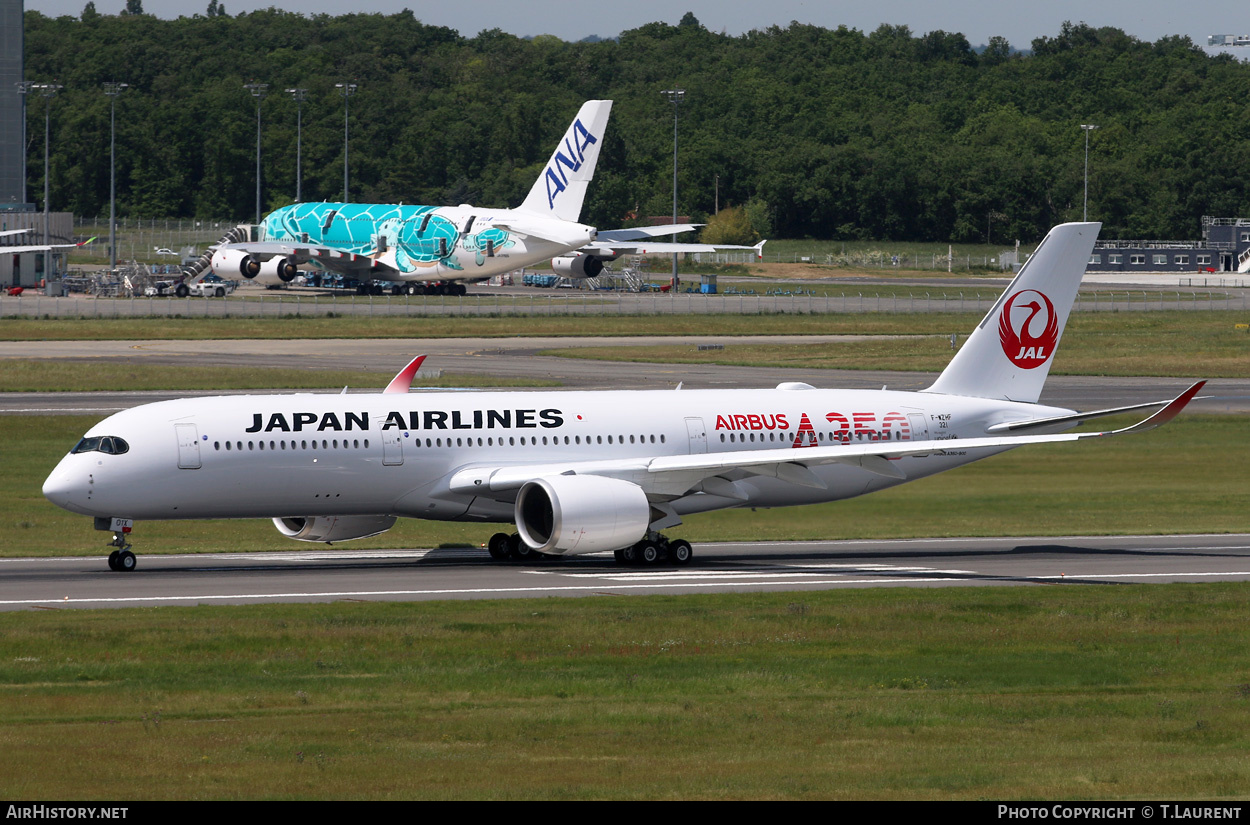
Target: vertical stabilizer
{"points": [[1009, 354], [561, 188]]}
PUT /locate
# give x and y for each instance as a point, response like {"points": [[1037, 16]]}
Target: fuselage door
{"points": [[919, 428], [188, 446], [698, 435], [392, 447]]}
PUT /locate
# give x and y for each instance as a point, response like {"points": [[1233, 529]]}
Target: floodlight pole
{"points": [[347, 90], [113, 90], [1087, 128], [258, 90], [675, 96], [48, 91], [300, 96], [23, 89]]}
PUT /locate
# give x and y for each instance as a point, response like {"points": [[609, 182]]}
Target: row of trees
{"points": [[827, 133]]}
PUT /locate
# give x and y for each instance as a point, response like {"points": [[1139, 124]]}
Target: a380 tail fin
{"points": [[560, 190], [1009, 354]]}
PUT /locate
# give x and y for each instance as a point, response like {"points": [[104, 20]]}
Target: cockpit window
{"points": [[110, 444]]}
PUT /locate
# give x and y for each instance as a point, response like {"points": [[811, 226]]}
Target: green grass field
{"points": [[1199, 345], [1027, 693], [93, 375]]}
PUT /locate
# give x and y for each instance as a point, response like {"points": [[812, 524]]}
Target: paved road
{"points": [[517, 358], [419, 575]]}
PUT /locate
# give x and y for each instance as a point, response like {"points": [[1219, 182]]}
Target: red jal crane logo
{"points": [[1023, 316]]}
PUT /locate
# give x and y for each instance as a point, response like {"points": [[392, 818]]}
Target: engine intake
{"points": [[333, 528], [571, 514]]}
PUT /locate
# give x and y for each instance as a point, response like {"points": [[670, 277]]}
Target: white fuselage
{"points": [[395, 454]]}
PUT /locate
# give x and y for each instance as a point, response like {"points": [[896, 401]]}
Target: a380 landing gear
{"points": [[655, 548]]}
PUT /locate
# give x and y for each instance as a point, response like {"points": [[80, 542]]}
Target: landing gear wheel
{"points": [[629, 555], [126, 561], [650, 552], [519, 550], [498, 546], [113, 560], [680, 552]]}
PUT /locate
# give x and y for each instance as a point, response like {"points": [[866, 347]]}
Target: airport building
{"points": [[1225, 247], [16, 211], [12, 152]]}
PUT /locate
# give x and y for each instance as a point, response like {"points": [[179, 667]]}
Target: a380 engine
{"points": [[572, 514], [578, 266], [333, 528], [233, 263]]}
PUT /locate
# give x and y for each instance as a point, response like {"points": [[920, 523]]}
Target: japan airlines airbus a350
{"points": [[582, 472], [448, 245]]}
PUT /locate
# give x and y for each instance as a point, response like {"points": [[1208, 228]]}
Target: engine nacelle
{"points": [[333, 528], [230, 264], [276, 270], [578, 266], [581, 514]]}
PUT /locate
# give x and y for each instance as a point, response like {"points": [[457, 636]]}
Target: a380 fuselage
{"points": [[426, 243], [311, 454]]}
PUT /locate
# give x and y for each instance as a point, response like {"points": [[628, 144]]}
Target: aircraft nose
{"points": [[62, 489]]}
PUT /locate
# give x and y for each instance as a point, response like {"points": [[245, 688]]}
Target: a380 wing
{"points": [[333, 260]]}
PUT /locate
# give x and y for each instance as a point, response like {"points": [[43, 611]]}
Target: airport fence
{"points": [[271, 305]]}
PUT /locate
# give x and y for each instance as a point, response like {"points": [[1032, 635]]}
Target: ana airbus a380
{"points": [[583, 472], [449, 245]]}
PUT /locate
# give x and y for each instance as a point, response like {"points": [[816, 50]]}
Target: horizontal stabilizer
{"points": [[637, 233]]}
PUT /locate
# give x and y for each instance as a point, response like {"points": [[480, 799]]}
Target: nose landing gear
{"points": [[121, 559]]}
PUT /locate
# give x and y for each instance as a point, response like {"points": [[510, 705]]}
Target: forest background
{"points": [[831, 134]]}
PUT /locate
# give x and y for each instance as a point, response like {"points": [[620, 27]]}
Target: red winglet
{"points": [[402, 382]]}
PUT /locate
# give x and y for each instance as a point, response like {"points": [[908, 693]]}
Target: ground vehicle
{"points": [[213, 287], [160, 288]]}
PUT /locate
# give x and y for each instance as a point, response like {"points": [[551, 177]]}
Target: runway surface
{"points": [[422, 575]]}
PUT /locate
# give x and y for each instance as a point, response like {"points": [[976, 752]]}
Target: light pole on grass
{"points": [[346, 90], [258, 90], [1086, 128], [675, 96], [113, 90], [300, 96], [47, 91]]}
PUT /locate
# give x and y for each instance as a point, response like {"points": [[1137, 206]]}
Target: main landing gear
{"points": [[653, 549], [121, 559], [504, 547]]}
